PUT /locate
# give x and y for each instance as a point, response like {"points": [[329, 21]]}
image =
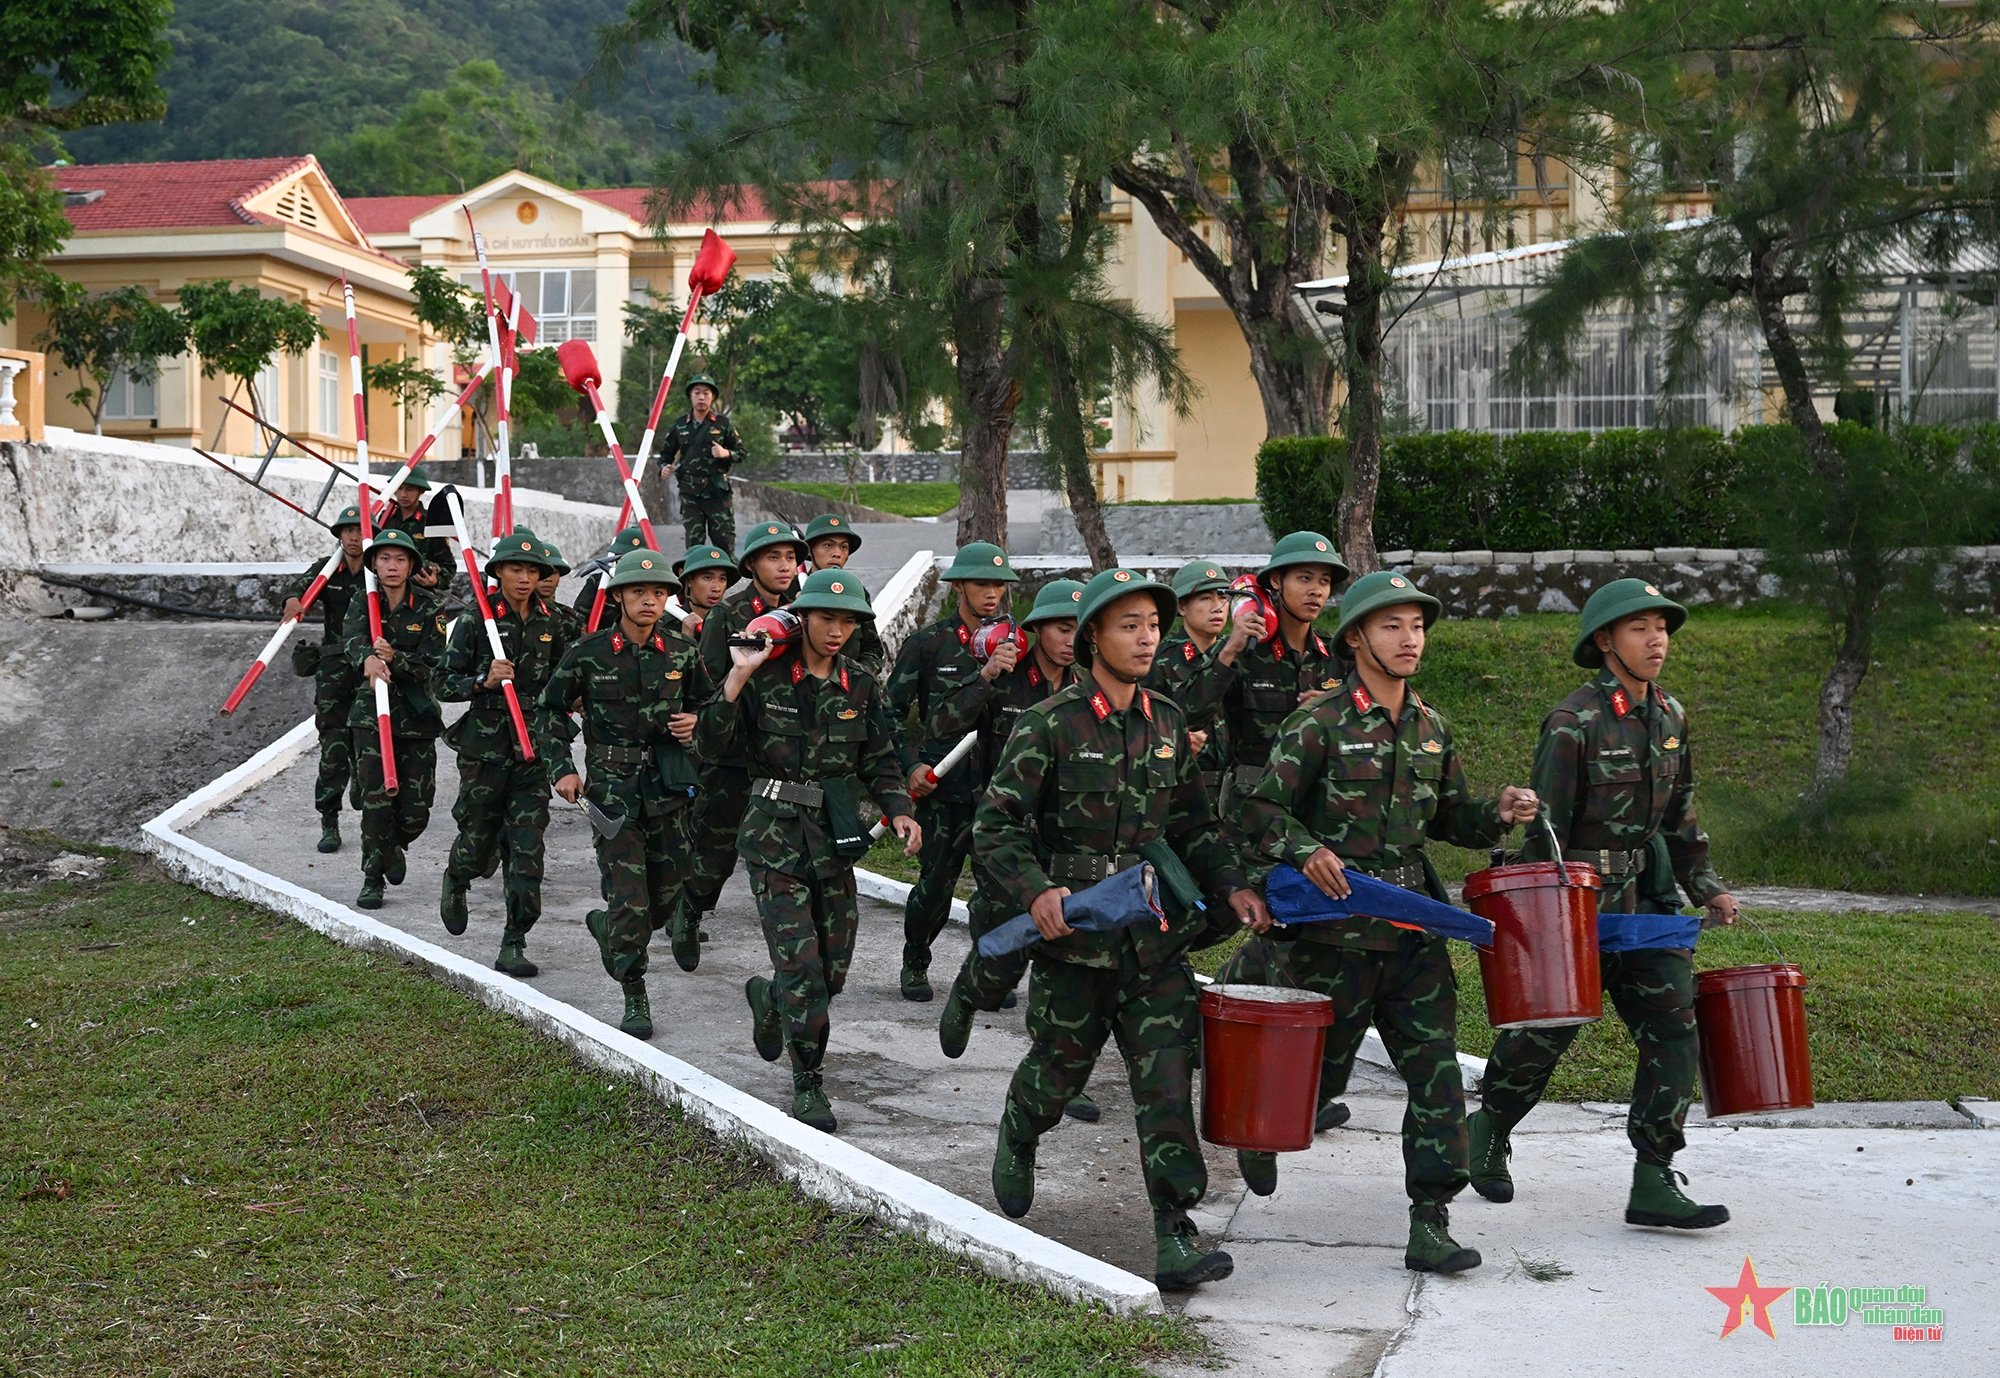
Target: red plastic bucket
{"points": [[1541, 972], [1752, 1022], [1260, 1052]]}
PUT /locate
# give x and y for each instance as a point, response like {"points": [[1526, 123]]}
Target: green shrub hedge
{"points": [[1555, 490]]}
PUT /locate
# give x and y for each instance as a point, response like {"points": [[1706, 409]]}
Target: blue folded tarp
{"points": [[1628, 932], [1131, 897], [1294, 899]]}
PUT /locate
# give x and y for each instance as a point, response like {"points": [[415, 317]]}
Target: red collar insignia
{"points": [[1034, 676], [964, 634], [617, 642], [1100, 705], [659, 642], [1362, 700], [798, 672], [844, 688], [1146, 704], [1319, 644], [756, 603], [1620, 704], [1188, 652]]}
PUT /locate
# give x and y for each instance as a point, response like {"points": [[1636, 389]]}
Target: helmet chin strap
{"points": [[1368, 642], [1097, 659], [1277, 592]]}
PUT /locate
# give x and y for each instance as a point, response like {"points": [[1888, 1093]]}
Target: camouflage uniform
{"points": [[436, 549], [634, 769], [801, 734], [865, 647], [1617, 779], [1257, 698], [1345, 776], [708, 513], [503, 800], [334, 686], [391, 822], [1198, 682]]}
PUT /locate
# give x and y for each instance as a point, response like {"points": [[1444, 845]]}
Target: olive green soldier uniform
{"points": [[1269, 676], [1617, 779], [1080, 788], [502, 809], [865, 648], [334, 682], [570, 617], [708, 513], [435, 551], [415, 631], [1196, 679], [597, 573], [1345, 776], [725, 779], [816, 746], [931, 665], [698, 560], [634, 771]]}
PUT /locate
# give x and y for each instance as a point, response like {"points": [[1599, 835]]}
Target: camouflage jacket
{"points": [[1618, 775], [794, 726], [686, 447], [1198, 682], [342, 587], [437, 550], [932, 665], [737, 610], [1081, 777], [417, 632], [1346, 777], [1265, 691], [627, 691], [991, 710], [535, 645]]}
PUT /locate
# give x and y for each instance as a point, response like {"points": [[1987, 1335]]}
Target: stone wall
{"points": [[1139, 530]]}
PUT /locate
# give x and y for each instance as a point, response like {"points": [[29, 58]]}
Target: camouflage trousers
{"points": [[336, 747], [1653, 991], [809, 925], [502, 812], [640, 872], [390, 822], [1072, 1009], [986, 980], [718, 816], [1410, 994], [947, 824], [709, 519]]}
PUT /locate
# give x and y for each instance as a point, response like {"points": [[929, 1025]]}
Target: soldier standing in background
{"points": [[406, 513], [701, 447], [1197, 663], [1616, 773], [334, 678]]}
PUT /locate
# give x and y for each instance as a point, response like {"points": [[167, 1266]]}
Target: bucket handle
{"points": [[1744, 915], [1562, 867]]}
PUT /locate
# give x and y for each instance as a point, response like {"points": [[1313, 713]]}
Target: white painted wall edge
{"points": [[822, 1165]]}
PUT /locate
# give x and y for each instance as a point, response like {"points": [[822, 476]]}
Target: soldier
{"points": [[703, 445], [1197, 663], [407, 657], [548, 586], [1360, 778], [1089, 778], [502, 808], [813, 728], [705, 572], [334, 679], [830, 544], [632, 684], [770, 556], [597, 571], [1616, 772], [930, 666], [406, 513]]}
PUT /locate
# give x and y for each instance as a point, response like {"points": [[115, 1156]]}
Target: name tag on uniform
{"points": [[1615, 751], [1089, 755], [1356, 748]]}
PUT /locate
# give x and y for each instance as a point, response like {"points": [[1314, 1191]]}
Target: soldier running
{"points": [[334, 678], [1616, 772]]}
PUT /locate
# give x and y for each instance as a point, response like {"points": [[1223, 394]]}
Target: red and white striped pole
{"points": [[283, 634], [503, 464], [499, 649], [707, 274], [502, 385], [579, 366], [364, 501]]}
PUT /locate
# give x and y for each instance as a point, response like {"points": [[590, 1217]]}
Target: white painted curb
{"points": [[822, 1166]]}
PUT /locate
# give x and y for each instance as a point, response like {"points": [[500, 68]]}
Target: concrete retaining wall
{"points": [[1138, 530]]}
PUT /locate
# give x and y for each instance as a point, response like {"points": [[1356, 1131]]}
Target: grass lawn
{"points": [[1898, 1007], [231, 1146], [903, 499]]}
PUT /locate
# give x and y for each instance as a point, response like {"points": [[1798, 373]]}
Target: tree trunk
{"points": [[1070, 446], [1767, 294], [1836, 705], [1361, 334], [988, 397]]}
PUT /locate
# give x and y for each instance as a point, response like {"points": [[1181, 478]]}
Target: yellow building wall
{"points": [[1215, 449]]}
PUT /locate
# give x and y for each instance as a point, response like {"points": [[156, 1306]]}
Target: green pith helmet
{"points": [[1107, 588], [702, 380], [1059, 598], [642, 567], [833, 590], [707, 557], [1617, 600], [417, 479], [630, 538], [520, 547], [981, 560], [1305, 548], [1199, 576], [1383, 589], [830, 525], [349, 516], [763, 536], [395, 538], [555, 558]]}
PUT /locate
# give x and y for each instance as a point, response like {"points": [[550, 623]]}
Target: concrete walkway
{"points": [[1832, 1196]]}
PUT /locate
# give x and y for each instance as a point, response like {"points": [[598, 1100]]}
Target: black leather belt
{"points": [[1610, 863], [1211, 780], [788, 791], [1247, 778], [1088, 868], [1410, 875], [626, 757]]}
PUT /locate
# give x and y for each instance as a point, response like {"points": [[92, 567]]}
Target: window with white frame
{"points": [[328, 378], [130, 399], [564, 300], [271, 392]]}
